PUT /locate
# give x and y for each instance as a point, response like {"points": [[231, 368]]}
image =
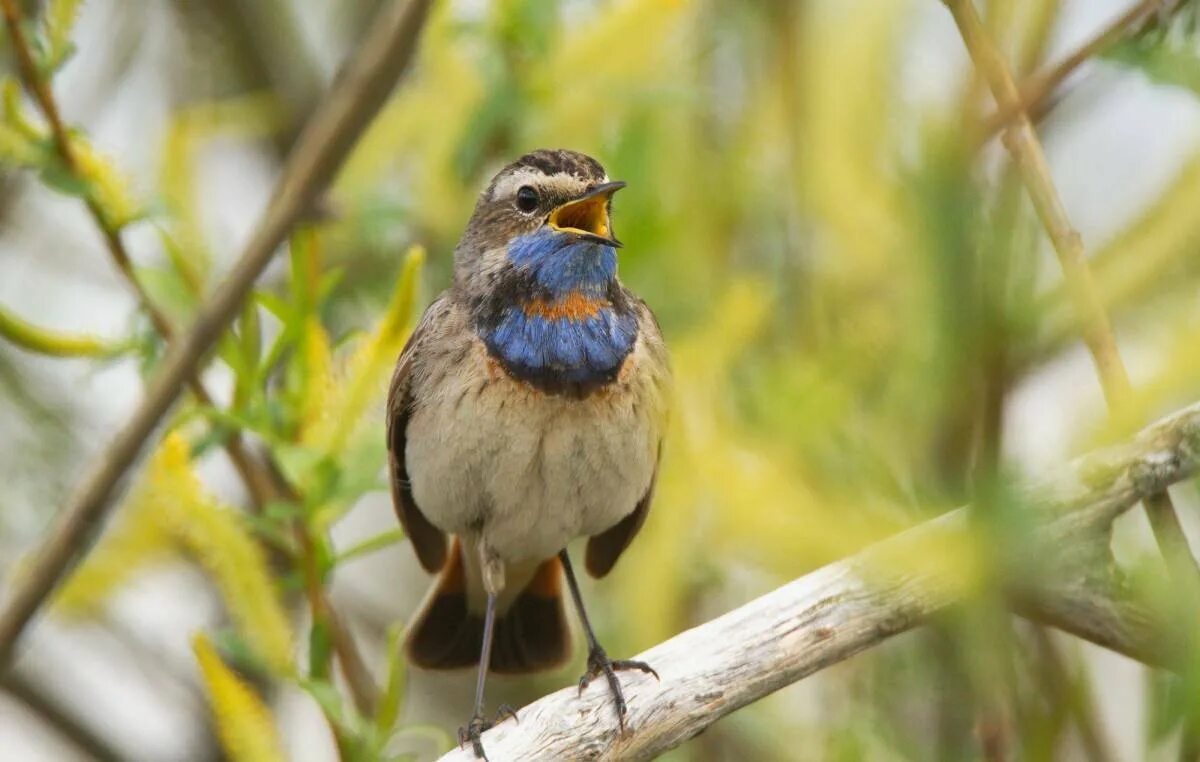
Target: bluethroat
{"points": [[527, 410]]}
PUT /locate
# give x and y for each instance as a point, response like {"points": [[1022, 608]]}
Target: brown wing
{"points": [[604, 549], [428, 541]]}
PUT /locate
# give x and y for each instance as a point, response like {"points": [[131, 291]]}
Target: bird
{"points": [[527, 410]]}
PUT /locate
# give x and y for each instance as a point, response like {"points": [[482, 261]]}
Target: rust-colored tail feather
{"points": [[531, 635]]}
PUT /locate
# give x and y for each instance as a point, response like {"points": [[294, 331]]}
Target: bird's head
{"points": [[546, 220]]}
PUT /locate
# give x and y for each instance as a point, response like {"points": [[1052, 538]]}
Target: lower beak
{"points": [[587, 216]]}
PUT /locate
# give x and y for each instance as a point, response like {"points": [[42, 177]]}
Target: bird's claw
{"points": [[599, 664], [479, 725]]}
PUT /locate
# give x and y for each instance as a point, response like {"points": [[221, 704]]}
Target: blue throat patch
{"points": [[561, 322]]}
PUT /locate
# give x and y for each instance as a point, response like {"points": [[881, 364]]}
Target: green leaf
{"points": [[393, 693], [275, 304], [320, 653], [1167, 705], [168, 290], [59, 177], [1165, 61], [59, 21], [371, 545]]}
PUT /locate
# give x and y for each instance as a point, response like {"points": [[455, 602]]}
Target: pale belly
{"points": [[525, 472]]}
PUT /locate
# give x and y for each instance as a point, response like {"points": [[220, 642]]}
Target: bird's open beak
{"points": [[587, 216]]}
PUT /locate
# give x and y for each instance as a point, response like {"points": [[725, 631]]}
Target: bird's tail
{"points": [[531, 634]]}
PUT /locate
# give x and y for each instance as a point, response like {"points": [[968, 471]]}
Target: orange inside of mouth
{"points": [[587, 216]]}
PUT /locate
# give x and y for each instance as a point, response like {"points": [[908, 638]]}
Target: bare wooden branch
{"points": [[835, 612], [355, 98], [1103, 614]]}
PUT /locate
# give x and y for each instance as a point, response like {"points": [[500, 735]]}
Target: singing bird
{"points": [[527, 410]]}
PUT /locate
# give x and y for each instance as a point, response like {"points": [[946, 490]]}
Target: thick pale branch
{"points": [[322, 147], [842, 609]]}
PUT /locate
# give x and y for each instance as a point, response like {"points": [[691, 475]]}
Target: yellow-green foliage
{"points": [[341, 405], [43, 341], [15, 149], [108, 187], [243, 722], [190, 131], [168, 511], [318, 377], [832, 260], [59, 21], [18, 138]]}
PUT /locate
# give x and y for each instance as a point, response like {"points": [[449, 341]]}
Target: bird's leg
{"points": [[493, 583], [478, 724], [598, 662]]}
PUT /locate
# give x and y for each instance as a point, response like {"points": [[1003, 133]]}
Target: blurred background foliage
{"points": [[852, 282]]}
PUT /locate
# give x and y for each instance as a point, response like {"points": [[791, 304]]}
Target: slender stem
{"points": [[256, 480], [1074, 692], [1022, 143], [1036, 90], [79, 733], [34, 83], [319, 152], [264, 482]]}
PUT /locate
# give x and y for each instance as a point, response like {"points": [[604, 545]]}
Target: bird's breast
{"points": [[493, 457], [572, 344]]}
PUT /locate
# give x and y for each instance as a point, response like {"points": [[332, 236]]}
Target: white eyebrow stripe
{"points": [[563, 181]]}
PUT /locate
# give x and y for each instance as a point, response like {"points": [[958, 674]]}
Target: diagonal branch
{"points": [[847, 607], [320, 150], [77, 731], [1026, 150], [1035, 91]]}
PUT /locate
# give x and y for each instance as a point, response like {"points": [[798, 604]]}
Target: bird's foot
{"points": [[479, 725], [599, 664]]}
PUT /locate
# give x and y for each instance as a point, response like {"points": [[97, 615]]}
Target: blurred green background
{"points": [[867, 326]]}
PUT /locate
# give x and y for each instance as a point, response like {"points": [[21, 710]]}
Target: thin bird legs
{"points": [[598, 662], [493, 582]]}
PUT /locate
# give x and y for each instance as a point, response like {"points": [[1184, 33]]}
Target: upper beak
{"points": [[587, 216]]}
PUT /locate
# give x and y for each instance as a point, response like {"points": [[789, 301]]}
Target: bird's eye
{"points": [[527, 199]]}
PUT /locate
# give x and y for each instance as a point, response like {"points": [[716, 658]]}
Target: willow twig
{"points": [[1023, 145], [319, 151], [1036, 90], [263, 481]]}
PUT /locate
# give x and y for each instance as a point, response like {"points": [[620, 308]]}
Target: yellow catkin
{"points": [[243, 722], [60, 21], [109, 188], [171, 510], [15, 148], [216, 537], [369, 367], [134, 542], [318, 380]]}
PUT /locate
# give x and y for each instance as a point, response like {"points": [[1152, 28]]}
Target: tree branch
{"points": [[79, 733], [837, 611], [1023, 145], [1036, 90], [320, 150]]}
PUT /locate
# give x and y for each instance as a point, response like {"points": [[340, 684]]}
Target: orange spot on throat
{"points": [[574, 306]]}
